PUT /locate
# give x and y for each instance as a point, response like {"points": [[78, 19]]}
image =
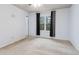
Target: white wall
{"points": [[62, 20], [12, 24], [32, 24], [62, 23], [74, 23]]}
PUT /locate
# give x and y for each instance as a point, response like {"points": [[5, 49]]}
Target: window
{"points": [[42, 23], [48, 23], [45, 22]]}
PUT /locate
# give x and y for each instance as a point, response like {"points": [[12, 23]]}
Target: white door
{"points": [[44, 26]]}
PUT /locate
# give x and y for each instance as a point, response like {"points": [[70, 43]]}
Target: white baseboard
{"points": [[57, 38], [12, 41], [61, 38], [75, 45]]}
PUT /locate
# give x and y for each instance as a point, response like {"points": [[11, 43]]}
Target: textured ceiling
{"points": [[43, 7]]}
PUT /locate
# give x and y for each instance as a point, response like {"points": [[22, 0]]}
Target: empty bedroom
{"points": [[39, 29]]}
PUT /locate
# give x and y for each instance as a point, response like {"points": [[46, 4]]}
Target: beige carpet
{"points": [[39, 46]]}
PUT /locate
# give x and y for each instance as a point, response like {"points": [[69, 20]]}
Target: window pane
{"points": [[41, 23], [47, 22], [41, 26]]}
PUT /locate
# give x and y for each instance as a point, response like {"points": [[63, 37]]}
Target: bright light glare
{"points": [[36, 5]]}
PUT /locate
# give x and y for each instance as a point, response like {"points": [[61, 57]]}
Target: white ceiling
{"points": [[43, 7]]}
